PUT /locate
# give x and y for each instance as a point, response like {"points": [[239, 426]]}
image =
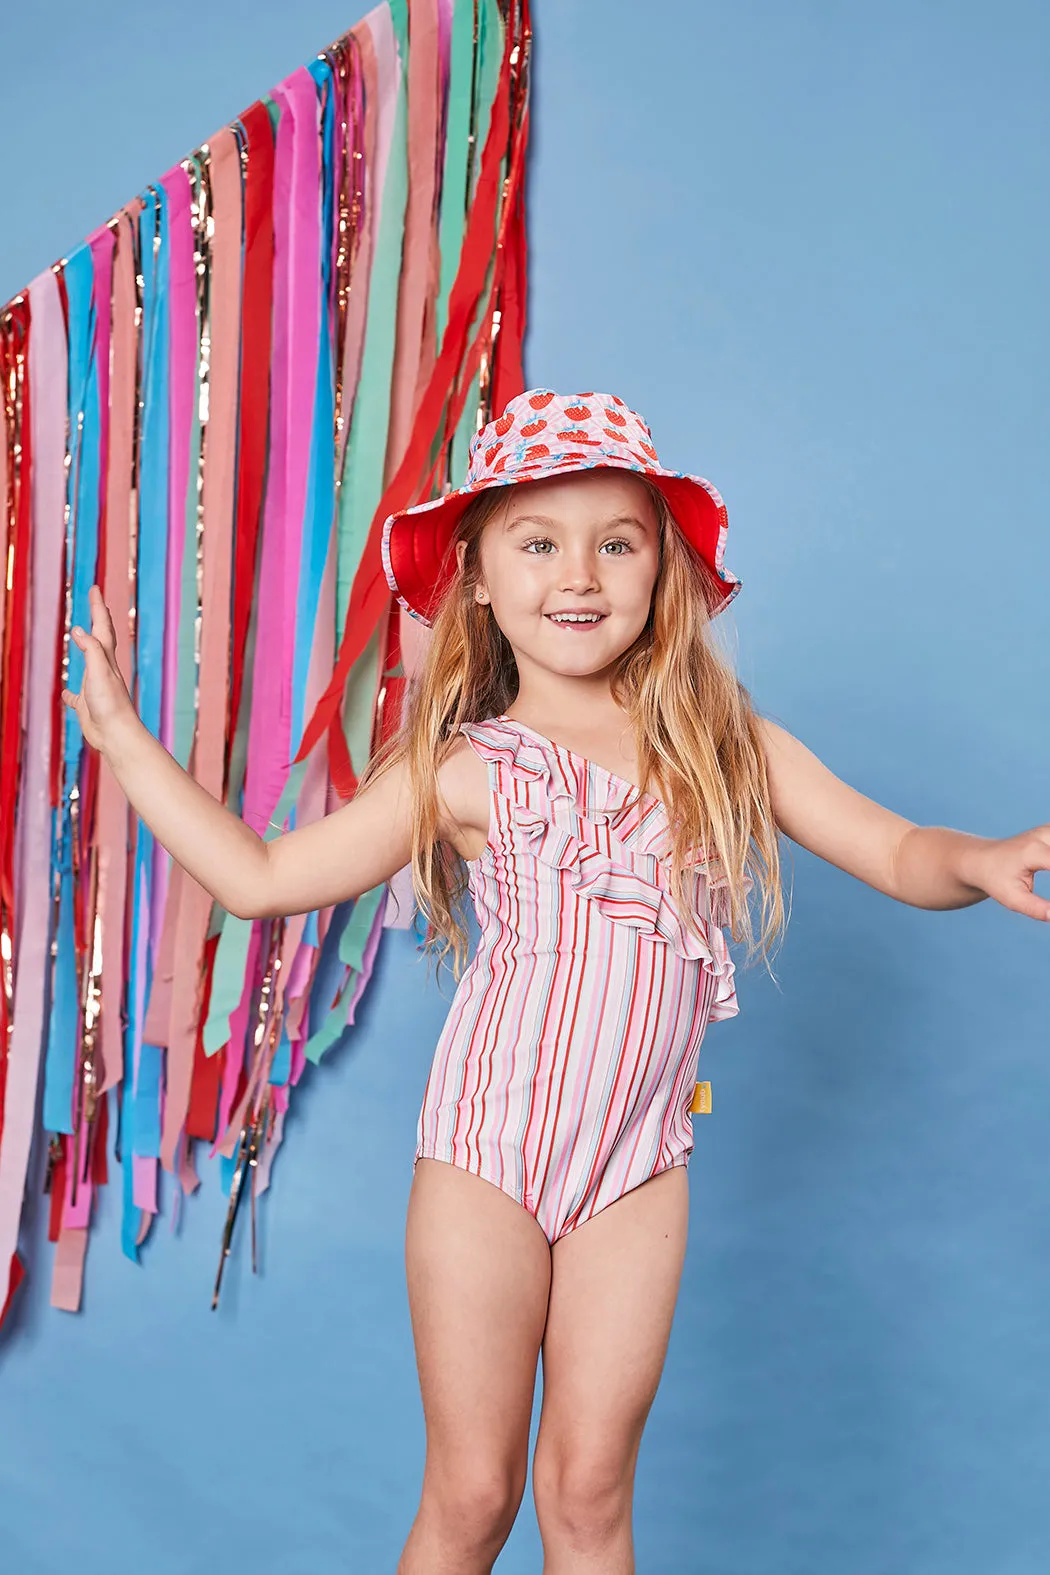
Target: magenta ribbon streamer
{"points": [[296, 320]]}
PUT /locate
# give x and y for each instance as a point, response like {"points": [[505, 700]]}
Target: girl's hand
{"points": [[1005, 869], [103, 703]]}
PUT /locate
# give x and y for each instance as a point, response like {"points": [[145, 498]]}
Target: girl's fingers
{"points": [[84, 640], [102, 689], [102, 623], [106, 633], [91, 646]]}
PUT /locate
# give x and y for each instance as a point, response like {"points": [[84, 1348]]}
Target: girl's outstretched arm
{"points": [[336, 858], [926, 866]]}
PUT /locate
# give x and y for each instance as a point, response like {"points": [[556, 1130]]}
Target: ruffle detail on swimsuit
{"points": [[576, 817], [625, 895], [598, 794]]}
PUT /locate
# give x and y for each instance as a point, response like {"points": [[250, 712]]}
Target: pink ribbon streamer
{"points": [[67, 1276], [182, 362]]}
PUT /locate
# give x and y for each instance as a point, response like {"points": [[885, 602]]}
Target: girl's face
{"points": [[590, 543]]}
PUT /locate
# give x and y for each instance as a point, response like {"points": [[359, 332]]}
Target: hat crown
{"points": [[540, 430]]}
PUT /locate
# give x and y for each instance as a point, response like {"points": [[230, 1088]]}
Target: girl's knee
{"points": [[475, 1506], [583, 1499]]}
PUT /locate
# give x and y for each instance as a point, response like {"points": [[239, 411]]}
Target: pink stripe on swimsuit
{"points": [[566, 1067]]}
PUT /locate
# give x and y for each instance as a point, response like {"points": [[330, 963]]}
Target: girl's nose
{"points": [[579, 574]]}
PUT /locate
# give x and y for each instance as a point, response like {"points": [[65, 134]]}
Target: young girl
{"points": [[575, 742]]}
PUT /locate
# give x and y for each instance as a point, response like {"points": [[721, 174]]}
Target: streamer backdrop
{"points": [[209, 408]]}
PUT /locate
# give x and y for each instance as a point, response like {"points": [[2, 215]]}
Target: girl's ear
{"points": [[461, 553]]}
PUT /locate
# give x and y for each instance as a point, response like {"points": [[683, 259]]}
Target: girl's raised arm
{"points": [[336, 858], [926, 866]]}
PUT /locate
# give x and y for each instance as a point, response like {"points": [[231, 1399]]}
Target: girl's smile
{"points": [[576, 620]]}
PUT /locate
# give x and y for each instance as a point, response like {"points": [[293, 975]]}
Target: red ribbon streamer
{"points": [[202, 1116], [14, 371]]}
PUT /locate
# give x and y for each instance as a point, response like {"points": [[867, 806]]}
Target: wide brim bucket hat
{"points": [[542, 434]]}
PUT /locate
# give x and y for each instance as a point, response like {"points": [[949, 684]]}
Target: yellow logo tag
{"points": [[701, 1105]]}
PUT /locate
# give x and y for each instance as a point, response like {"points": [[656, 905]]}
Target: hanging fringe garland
{"points": [[209, 409]]}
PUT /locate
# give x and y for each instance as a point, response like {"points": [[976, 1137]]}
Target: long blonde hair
{"points": [[695, 728]]}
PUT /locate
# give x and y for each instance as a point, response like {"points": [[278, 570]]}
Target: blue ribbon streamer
{"points": [[141, 1112], [281, 1067]]}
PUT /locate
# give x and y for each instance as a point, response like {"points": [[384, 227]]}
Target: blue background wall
{"points": [[809, 243]]}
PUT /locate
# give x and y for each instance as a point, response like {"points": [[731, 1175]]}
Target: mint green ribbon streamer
{"points": [[363, 461], [231, 962], [452, 225], [186, 660]]}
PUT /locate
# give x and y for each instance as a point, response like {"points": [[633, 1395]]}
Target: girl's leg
{"points": [[478, 1281], [613, 1288]]}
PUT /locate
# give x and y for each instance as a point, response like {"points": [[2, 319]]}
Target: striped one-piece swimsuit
{"points": [[566, 1067]]}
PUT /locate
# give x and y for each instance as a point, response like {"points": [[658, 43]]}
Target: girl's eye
{"points": [[541, 541]]}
